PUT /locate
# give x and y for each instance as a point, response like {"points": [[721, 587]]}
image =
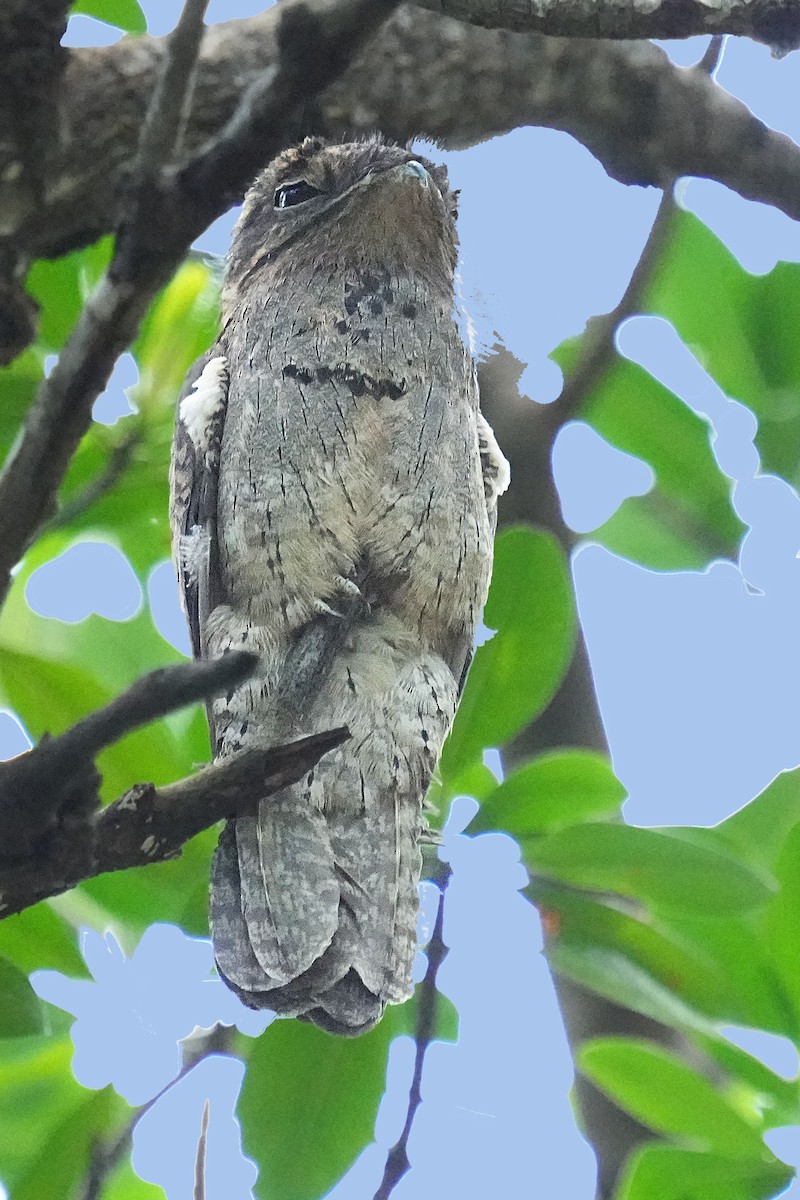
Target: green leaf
{"points": [[687, 518], [40, 938], [717, 970], [61, 287], [64, 1158], [663, 1092], [308, 1106], [48, 1120], [125, 1184], [20, 1007], [751, 993], [614, 976], [746, 339], [50, 694], [564, 787], [309, 1099], [516, 673], [180, 326], [658, 1172], [125, 14], [782, 923], [759, 830], [18, 384], [775, 1097], [649, 864]]}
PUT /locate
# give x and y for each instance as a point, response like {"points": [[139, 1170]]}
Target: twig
{"points": [[106, 1157], [200, 1159], [597, 349], [316, 44], [397, 1163]]}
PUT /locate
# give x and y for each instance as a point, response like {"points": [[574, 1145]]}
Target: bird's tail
{"points": [[314, 901]]}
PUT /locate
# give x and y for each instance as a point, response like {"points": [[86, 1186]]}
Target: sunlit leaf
{"points": [[125, 14], [48, 1122], [125, 1184], [759, 829], [18, 384], [584, 926], [650, 864], [516, 673], [687, 518], [657, 1172], [309, 1100], [20, 1007], [746, 339], [666, 1094], [782, 923], [62, 285], [40, 938], [563, 787]]}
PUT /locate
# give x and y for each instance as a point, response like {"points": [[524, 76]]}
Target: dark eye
{"points": [[290, 194]]}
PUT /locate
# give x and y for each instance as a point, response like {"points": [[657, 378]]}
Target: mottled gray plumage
{"points": [[334, 490]]}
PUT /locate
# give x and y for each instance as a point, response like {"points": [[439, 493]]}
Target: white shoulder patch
{"points": [[200, 407], [194, 549], [496, 471]]}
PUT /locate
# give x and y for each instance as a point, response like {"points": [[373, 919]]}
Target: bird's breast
{"points": [[350, 444]]}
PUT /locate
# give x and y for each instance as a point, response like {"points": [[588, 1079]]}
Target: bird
{"points": [[333, 506]]}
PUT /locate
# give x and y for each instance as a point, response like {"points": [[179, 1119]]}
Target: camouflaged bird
{"points": [[334, 489]]}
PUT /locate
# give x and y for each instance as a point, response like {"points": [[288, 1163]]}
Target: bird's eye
{"points": [[289, 194]]}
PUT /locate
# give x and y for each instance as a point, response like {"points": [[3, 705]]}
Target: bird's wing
{"points": [[194, 473], [494, 467]]}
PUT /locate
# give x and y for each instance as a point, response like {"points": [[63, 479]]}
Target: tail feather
{"points": [[314, 900], [290, 895]]}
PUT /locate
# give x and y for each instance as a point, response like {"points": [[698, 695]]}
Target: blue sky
{"points": [[696, 675]]}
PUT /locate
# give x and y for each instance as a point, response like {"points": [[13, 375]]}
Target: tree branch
{"points": [[53, 833], [397, 1162], [35, 788], [150, 824], [166, 214], [776, 22], [573, 717], [31, 67], [646, 120]]}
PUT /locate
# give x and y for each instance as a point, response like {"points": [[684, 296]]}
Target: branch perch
{"points": [[776, 22], [52, 831]]}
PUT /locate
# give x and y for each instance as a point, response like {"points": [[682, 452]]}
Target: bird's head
{"points": [[332, 206]]}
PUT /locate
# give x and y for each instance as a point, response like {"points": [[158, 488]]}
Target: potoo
{"points": [[333, 506]]}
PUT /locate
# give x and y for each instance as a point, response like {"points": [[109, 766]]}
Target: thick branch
{"points": [[646, 120], [573, 718], [31, 65], [56, 777], [776, 22], [150, 824], [314, 46]]}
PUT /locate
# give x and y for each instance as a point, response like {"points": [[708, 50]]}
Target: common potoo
{"points": [[333, 505]]}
